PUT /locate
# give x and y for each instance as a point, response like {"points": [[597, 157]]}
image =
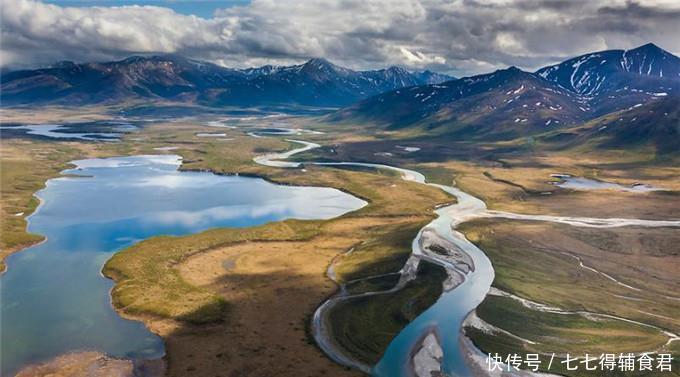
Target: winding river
{"points": [[56, 301], [465, 289], [54, 298]]}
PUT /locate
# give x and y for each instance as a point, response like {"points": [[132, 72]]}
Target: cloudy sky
{"points": [[460, 37]]}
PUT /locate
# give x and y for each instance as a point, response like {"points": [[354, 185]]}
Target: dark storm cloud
{"points": [[460, 37]]}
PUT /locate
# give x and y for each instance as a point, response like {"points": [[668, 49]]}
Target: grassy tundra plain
{"points": [[156, 283], [260, 286]]}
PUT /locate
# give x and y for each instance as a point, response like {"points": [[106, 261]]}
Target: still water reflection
{"points": [[54, 299]]}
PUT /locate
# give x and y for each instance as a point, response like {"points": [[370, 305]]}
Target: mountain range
{"points": [[617, 97], [512, 103], [314, 83]]}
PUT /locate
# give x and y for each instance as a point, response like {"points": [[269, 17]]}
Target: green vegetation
{"points": [[148, 283], [574, 334], [529, 261], [365, 326], [380, 283], [504, 345], [383, 253], [147, 275], [436, 174]]}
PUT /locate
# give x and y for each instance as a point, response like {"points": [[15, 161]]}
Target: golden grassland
{"points": [[151, 287], [154, 285], [152, 279], [523, 186], [271, 289], [259, 285], [571, 334], [528, 257], [509, 177], [537, 261]]}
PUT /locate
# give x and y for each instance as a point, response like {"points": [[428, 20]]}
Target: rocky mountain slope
{"points": [[513, 103], [615, 79], [654, 124]]}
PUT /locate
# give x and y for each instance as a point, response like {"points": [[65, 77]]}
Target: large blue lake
{"points": [[54, 298]]}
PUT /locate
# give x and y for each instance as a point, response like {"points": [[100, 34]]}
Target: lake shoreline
{"points": [[17, 249], [104, 273], [266, 178], [20, 248], [159, 325]]}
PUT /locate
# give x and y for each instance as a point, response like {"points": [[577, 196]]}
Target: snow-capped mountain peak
{"points": [[605, 71]]}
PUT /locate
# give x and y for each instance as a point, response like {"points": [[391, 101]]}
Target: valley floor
{"points": [[239, 302]]}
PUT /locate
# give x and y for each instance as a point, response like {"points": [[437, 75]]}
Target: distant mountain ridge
{"points": [[502, 104], [315, 83], [619, 97], [512, 103]]}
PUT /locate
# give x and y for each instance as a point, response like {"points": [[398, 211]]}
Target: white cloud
{"points": [[461, 37], [420, 59]]}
